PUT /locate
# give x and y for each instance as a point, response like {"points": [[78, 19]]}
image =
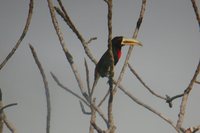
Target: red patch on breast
{"points": [[119, 53]]}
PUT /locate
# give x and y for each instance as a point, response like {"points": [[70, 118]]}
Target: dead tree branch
{"points": [[80, 98], [65, 49], [111, 71], [144, 84], [46, 86], [93, 117], [9, 125], [185, 98], [147, 107], [141, 16], [87, 78], [28, 21], [67, 19], [68, 90], [6, 106]]}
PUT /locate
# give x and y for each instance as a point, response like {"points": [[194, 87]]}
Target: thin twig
{"points": [[143, 83], [104, 98], [47, 93], [83, 109], [80, 98], [68, 90], [143, 6], [91, 39], [185, 98], [87, 77], [28, 21], [6, 106], [195, 7]]}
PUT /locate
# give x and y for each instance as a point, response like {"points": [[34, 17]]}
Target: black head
{"points": [[120, 41], [117, 41]]}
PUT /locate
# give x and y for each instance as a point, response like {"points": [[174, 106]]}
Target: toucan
{"points": [[103, 66]]}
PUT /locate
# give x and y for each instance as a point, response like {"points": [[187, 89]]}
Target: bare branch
{"points": [[65, 49], [9, 125], [87, 78], [194, 4], [104, 98], [91, 39], [47, 93], [98, 129], [67, 19], [147, 107], [93, 117], [143, 83], [68, 90], [111, 71], [131, 47], [185, 98], [6, 106], [28, 21], [80, 98]]}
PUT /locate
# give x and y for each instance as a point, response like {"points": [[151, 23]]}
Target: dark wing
{"points": [[103, 65]]}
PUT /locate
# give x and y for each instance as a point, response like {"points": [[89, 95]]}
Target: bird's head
{"points": [[120, 41]]}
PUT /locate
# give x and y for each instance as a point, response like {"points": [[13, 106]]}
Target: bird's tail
{"points": [[96, 78]]}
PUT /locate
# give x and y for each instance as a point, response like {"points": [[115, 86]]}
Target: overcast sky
{"points": [[166, 62]]}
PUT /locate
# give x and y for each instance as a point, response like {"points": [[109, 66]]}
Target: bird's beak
{"points": [[131, 42]]}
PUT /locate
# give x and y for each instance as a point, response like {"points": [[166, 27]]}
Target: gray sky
{"points": [[166, 62]]}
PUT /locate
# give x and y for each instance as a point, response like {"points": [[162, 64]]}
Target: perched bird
{"points": [[103, 66]]}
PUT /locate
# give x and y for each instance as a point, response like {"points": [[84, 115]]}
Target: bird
{"points": [[103, 66]]}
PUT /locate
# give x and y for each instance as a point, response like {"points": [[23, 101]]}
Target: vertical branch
{"points": [[111, 71], [93, 117], [131, 47], [87, 77], [45, 86], [185, 98], [28, 21], [194, 4]]}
